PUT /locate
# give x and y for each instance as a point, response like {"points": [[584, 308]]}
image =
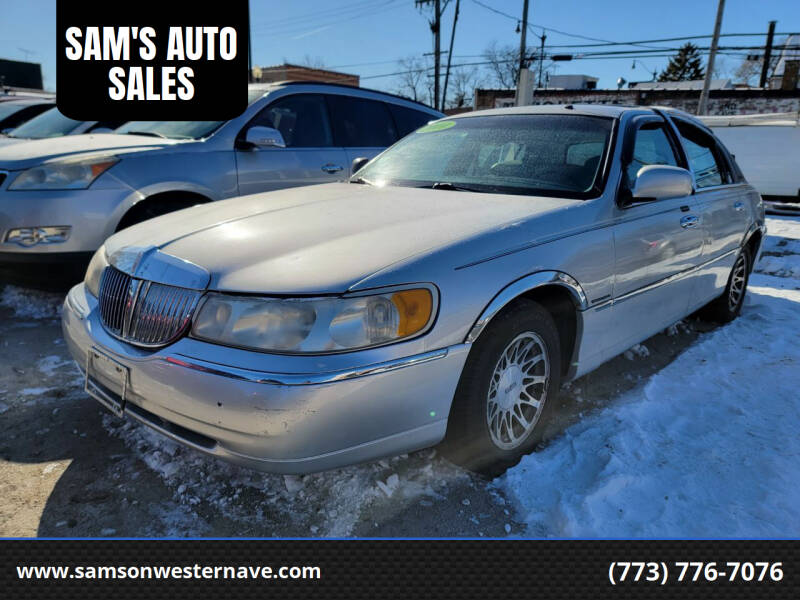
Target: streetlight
{"points": [[644, 66]]}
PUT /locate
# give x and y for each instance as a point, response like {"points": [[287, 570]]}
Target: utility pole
{"points": [[450, 55], [767, 55], [249, 46], [523, 48], [437, 50], [541, 58], [437, 43], [701, 106]]}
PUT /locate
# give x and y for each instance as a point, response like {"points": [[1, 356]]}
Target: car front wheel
{"points": [[506, 390]]}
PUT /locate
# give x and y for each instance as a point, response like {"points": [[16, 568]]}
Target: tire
{"points": [[728, 306], [479, 436], [146, 210]]}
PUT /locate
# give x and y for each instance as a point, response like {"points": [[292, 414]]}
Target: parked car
{"points": [[51, 123], [14, 113], [767, 148], [62, 197], [445, 293]]}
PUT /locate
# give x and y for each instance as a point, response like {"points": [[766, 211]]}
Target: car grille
{"points": [[142, 312]]}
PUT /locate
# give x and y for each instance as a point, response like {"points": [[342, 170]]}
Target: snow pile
{"points": [[31, 304], [50, 365], [320, 504], [707, 447]]}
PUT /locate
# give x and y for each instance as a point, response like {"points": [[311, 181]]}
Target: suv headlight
{"points": [[315, 325], [95, 271], [64, 174]]}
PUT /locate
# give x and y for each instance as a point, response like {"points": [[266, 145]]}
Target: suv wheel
{"points": [[506, 390]]}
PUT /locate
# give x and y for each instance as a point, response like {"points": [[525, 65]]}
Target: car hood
{"points": [[29, 153], [325, 238]]}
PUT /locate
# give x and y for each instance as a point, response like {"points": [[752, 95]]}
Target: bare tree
{"points": [[749, 71], [503, 64], [413, 81], [313, 62], [463, 81]]}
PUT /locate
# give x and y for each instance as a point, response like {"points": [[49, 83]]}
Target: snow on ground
{"points": [[321, 504], [31, 304], [708, 446]]}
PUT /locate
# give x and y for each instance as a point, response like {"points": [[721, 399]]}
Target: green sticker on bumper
{"points": [[437, 126]]}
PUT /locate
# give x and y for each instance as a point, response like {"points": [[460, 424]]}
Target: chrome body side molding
{"points": [[519, 287], [293, 379]]}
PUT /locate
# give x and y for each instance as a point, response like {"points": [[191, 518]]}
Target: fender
{"points": [[521, 286]]}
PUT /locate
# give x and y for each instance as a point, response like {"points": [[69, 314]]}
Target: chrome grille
{"points": [[142, 312]]}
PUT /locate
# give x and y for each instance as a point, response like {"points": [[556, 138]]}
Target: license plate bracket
{"points": [[107, 381]]}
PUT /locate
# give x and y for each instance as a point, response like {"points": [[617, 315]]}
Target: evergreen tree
{"points": [[686, 65]]}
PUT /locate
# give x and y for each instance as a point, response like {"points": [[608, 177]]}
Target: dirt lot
{"points": [[70, 468]]}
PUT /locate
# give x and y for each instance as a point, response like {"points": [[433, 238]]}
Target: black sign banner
{"points": [[352, 569], [153, 61]]}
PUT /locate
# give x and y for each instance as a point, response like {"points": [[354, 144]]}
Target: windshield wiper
{"points": [[148, 133], [446, 185], [361, 180]]}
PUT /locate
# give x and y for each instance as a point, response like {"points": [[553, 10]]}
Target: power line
{"points": [[675, 39], [353, 14], [544, 27]]}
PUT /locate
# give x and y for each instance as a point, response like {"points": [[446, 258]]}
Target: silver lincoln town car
{"points": [[443, 294]]}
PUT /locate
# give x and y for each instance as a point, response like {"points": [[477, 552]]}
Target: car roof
{"points": [[344, 86], [597, 110], [21, 101]]}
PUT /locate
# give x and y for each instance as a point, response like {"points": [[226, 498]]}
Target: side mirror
{"points": [[357, 164], [655, 182], [264, 137]]}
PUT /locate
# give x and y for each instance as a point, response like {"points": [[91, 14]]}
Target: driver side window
{"points": [[302, 120], [651, 147]]}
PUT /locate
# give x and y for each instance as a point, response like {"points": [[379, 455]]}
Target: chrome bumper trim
{"points": [[293, 379]]}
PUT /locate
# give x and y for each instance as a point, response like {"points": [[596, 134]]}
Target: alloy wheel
{"points": [[738, 280], [517, 390]]}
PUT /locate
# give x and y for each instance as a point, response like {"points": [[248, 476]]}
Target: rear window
{"points": [[361, 123]]}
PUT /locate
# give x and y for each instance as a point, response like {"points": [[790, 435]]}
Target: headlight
{"points": [[314, 325], [63, 175], [95, 271]]}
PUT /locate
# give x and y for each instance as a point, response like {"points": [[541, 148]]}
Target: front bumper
{"points": [[92, 214], [294, 421]]}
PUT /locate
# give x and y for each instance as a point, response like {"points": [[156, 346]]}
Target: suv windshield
{"points": [[552, 155], [50, 123], [184, 130]]}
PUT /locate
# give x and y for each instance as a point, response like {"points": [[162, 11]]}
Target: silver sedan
{"points": [[444, 294]]}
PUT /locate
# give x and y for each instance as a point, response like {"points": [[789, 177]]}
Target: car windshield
{"points": [[552, 155], [51, 123], [186, 130]]}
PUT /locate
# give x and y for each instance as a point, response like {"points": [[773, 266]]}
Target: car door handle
{"points": [[689, 221], [738, 206], [331, 168]]}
